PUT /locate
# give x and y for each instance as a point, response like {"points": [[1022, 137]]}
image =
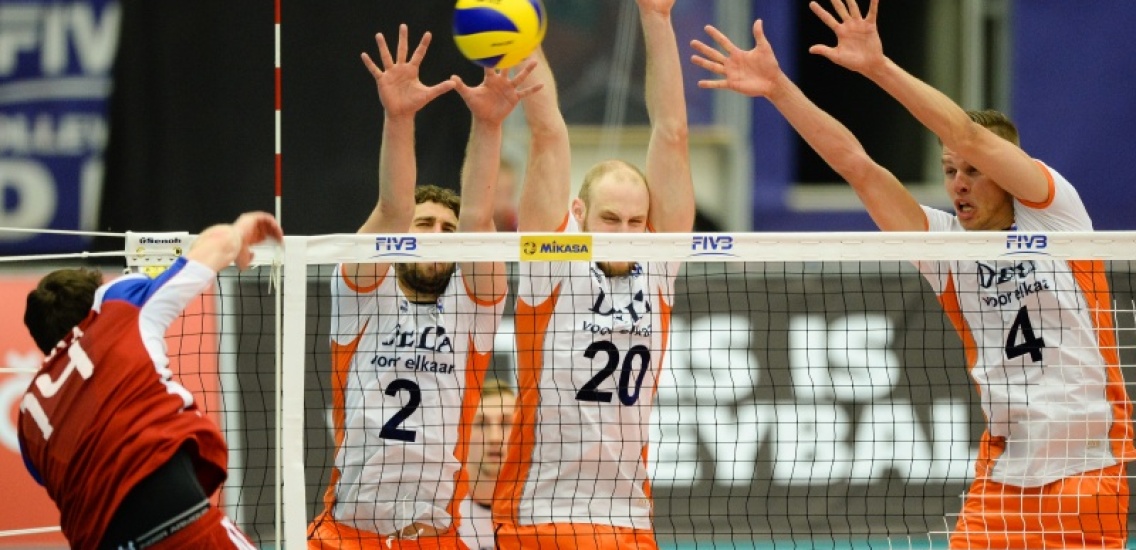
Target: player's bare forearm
{"points": [[479, 177], [1001, 160], [486, 280], [668, 153], [542, 109], [932, 108], [860, 49], [397, 177], [887, 201], [547, 181]]}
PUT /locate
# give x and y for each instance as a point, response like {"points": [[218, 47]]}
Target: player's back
{"points": [[111, 415]]}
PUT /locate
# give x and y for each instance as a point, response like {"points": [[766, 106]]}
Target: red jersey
{"points": [[104, 411]]}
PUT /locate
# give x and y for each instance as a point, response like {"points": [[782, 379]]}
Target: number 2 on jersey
{"points": [[391, 429], [640, 352], [1031, 343]]}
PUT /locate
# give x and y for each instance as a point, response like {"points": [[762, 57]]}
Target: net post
{"points": [[291, 359]]}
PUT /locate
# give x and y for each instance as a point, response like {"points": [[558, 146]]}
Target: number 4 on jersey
{"points": [[1031, 343]]}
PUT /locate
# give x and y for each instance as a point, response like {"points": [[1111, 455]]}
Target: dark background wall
{"points": [[192, 128], [192, 119], [1074, 98]]}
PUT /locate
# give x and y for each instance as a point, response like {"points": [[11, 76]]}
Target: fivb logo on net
{"points": [[388, 246], [713, 245], [1025, 243]]}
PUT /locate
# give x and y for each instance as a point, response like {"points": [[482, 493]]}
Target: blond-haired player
{"points": [[487, 433], [1039, 337], [591, 336]]}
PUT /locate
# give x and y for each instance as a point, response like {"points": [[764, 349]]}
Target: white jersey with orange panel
{"points": [[1041, 346], [407, 378], [476, 529], [589, 352]]}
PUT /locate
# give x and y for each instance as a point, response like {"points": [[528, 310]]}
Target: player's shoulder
{"points": [[363, 279], [1064, 210], [136, 289], [940, 220], [132, 289]]}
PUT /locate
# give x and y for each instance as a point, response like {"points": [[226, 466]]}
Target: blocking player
{"points": [[411, 342], [591, 336], [120, 446], [490, 427], [1050, 469]]}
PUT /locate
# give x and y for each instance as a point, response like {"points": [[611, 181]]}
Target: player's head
{"points": [[59, 302], [980, 203], [997, 122], [613, 199], [491, 426], [435, 211]]}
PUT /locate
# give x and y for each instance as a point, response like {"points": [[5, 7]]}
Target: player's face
{"points": [[429, 278], [488, 433], [980, 204], [618, 204]]}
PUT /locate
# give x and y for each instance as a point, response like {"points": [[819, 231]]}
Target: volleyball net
{"points": [[814, 390]]}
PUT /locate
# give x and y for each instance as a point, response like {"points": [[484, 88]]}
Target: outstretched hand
{"points": [[400, 90], [253, 228], [752, 72], [498, 94], [858, 47]]}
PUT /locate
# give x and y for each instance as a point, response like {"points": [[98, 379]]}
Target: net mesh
{"points": [[817, 398], [801, 400]]}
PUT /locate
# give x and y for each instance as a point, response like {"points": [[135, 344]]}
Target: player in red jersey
{"points": [[119, 445]]}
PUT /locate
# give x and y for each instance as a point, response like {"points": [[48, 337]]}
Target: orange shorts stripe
{"points": [[1088, 510], [581, 536]]}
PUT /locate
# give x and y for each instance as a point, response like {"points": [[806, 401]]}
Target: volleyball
{"points": [[498, 33]]}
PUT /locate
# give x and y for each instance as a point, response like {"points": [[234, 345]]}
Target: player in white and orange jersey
{"points": [[410, 343], [591, 336], [491, 425], [1040, 341]]}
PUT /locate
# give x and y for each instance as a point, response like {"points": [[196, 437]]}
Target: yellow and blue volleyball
{"points": [[498, 33]]}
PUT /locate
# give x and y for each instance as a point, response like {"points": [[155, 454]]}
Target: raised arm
{"points": [[402, 95], [859, 49], [489, 103], [668, 151], [221, 245], [548, 173], [756, 73]]}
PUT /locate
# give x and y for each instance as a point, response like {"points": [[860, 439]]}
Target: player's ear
{"points": [[578, 210]]}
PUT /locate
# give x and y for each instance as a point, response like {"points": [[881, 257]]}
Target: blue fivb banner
{"points": [[56, 60]]}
